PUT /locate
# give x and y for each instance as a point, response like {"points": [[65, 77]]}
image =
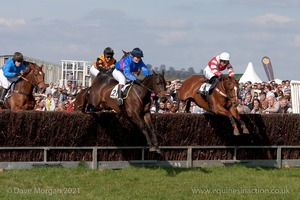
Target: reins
{"points": [[226, 95], [33, 84]]}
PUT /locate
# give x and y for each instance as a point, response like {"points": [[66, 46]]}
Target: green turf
{"points": [[234, 182]]}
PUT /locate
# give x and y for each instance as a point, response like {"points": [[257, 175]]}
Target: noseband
{"points": [[226, 95]]}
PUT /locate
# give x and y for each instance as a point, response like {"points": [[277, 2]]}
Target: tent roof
{"points": [[250, 75]]}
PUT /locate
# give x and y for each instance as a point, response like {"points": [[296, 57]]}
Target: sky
{"points": [[175, 33]]}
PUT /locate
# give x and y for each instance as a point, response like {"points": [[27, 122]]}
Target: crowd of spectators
{"points": [[57, 98], [254, 98]]}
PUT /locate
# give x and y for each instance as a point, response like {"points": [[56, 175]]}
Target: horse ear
{"points": [[163, 72], [154, 72], [42, 66]]}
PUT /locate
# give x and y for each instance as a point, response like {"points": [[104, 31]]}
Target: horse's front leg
{"points": [[222, 111], [147, 119], [143, 127], [234, 112]]}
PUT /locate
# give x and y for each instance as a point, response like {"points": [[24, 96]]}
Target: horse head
{"points": [[231, 89], [34, 74], [157, 83]]}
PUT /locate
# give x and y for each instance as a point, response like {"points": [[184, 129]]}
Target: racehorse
{"points": [[21, 98], [136, 104], [80, 103], [222, 99]]}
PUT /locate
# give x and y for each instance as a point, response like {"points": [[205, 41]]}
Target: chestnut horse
{"points": [[136, 104], [222, 100], [22, 97]]}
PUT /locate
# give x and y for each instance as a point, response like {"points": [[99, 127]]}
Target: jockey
{"points": [[125, 67], [217, 64], [10, 72], [104, 62]]}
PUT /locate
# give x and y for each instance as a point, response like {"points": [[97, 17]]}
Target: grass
{"points": [[234, 182]]}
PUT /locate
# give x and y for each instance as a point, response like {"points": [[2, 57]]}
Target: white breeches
{"points": [[94, 71], [119, 76], [208, 73], [4, 81]]}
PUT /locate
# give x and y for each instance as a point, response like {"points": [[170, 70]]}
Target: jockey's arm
{"points": [[230, 70]]}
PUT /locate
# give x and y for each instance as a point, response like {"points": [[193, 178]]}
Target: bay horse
{"points": [[137, 102], [22, 97], [222, 100], [80, 103]]}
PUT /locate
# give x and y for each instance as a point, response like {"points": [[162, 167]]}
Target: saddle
{"points": [[11, 90], [209, 85], [125, 91]]}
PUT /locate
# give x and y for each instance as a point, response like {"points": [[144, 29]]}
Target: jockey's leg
{"points": [[120, 95], [3, 93]]}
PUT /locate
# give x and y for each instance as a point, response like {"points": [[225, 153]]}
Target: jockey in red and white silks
{"points": [[218, 64]]}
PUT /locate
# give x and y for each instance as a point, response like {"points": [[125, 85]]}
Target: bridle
{"points": [[35, 85], [231, 98], [147, 88]]}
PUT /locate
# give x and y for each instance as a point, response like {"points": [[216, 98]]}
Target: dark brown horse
{"points": [[136, 104], [222, 100], [22, 97], [80, 103]]}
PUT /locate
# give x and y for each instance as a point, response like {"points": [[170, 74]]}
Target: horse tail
{"points": [[85, 100]]}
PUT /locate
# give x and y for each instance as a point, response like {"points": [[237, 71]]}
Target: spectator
{"points": [[248, 101], [263, 100], [285, 107], [257, 108], [50, 104], [182, 106], [241, 108], [162, 107], [196, 109], [273, 105]]}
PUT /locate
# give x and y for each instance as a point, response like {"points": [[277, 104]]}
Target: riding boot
{"points": [[203, 92], [120, 96], [4, 92]]}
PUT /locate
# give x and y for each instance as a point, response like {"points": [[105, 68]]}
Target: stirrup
{"points": [[1, 102], [203, 94], [120, 101]]}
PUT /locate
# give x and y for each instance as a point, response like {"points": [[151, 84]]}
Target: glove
{"points": [[137, 81], [221, 76], [18, 75]]}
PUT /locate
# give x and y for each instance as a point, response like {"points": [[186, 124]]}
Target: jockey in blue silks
{"points": [[124, 68], [10, 72]]}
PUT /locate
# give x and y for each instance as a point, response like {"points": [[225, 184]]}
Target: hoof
{"points": [[236, 133], [154, 149], [245, 130]]}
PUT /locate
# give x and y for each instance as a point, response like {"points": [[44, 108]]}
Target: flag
{"points": [[268, 67]]}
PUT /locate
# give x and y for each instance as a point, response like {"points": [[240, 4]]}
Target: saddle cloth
{"points": [[114, 92], [10, 90], [205, 86]]}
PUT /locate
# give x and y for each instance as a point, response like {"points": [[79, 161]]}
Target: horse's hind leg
{"points": [[187, 106]]}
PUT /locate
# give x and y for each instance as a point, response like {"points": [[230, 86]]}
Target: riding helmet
{"points": [[224, 56], [137, 52], [18, 57], [108, 51]]}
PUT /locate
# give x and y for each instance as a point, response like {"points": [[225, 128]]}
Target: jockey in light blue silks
{"points": [[125, 67], [10, 72]]}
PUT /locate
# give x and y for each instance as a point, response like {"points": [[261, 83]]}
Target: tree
{"points": [[162, 67], [191, 70]]}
